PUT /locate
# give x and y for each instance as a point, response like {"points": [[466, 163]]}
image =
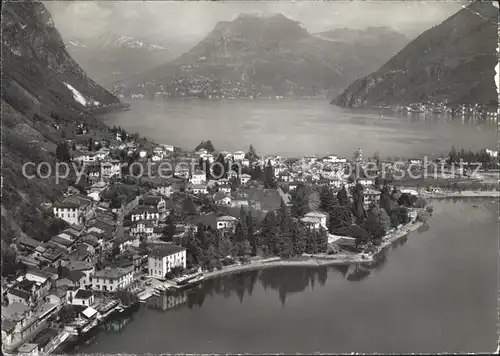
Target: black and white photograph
{"points": [[250, 177]]}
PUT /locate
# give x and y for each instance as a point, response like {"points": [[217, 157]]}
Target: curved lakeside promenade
{"points": [[318, 259]]}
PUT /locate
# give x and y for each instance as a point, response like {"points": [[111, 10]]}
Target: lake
{"points": [[434, 291], [300, 126]]}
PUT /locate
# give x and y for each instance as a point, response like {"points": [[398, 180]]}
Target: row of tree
{"points": [[482, 156]]}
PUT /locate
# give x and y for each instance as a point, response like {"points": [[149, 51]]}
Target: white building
{"points": [[111, 169], [226, 222], [199, 189], [145, 228], [198, 177], [78, 296], [161, 261], [366, 182], [145, 213], [245, 178], [239, 155], [69, 212], [165, 189], [315, 220], [112, 279]]}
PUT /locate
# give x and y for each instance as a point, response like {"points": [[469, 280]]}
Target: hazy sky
{"points": [[191, 21]]}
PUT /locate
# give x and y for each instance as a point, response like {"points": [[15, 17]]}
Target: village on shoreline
{"points": [[119, 236]]}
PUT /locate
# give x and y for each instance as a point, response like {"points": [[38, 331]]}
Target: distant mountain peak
{"points": [[453, 61]]}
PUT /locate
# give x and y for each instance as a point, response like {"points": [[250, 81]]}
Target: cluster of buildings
{"points": [[445, 108]]}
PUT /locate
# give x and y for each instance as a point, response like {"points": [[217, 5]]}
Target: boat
{"points": [[188, 280], [475, 205]]}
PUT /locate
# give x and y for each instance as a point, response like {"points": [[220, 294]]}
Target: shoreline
{"points": [[463, 194], [319, 259]]}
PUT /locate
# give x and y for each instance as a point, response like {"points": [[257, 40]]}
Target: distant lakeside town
{"points": [[118, 236]]}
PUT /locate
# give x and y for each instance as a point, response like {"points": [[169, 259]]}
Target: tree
{"points": [[385, 200], [188, 207], [342, 197], [257, 174], [328, 200], [361, 235], [420, 203], [358, 203], [300, 200], [251, 154], [339, 220], [377, 222], [269, 181], [405, 200], [62, 152], [269, 233], [299, 239], [251, 225]]}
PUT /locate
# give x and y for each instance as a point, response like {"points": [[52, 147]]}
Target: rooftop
{"points": [[83, 294], [167, 250], [113, 273]]}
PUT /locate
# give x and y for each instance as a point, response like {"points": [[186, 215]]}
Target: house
{"points": [[28, 349], [70, 278], [198, 177], [93, 172], [371, 196], [145, 213], [19, 296], [85, 158], [239, 155], [27, 243], [245, 178], [226, 222], [164, 189], [161, 261], [78, 296], [125, 241], [112, 279], [168, 148], [224, 187], [415, 162], [315, 220], [88, 270], [73, 209], [62, 243], [69, 212], [199, 189], [366, 182], [158, 151], [221, 198], [144, 228], [111, 169], [154, 201]]}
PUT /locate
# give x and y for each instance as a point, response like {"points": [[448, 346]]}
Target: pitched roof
{"points": [[113, 273], [166, 250], [83, 294]]}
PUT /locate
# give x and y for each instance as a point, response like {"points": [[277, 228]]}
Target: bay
{"points": [[434, 291]]}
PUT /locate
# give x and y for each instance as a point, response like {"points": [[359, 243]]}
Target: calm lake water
{"points": [[435, 291], [298, 127]]}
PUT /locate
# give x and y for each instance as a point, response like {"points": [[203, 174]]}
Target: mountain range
{"points": [[268, 56], [109, 58], [43, 89], [453, 61]]}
